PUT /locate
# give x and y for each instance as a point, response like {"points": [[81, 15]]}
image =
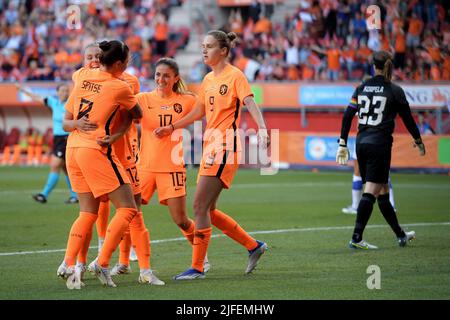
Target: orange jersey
{"points": [[156, 153], [223, 97], [333, 59], [98, 95], [132, 81], [126, 147]]}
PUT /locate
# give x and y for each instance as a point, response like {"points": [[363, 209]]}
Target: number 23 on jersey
{"points": [[371, 116]]}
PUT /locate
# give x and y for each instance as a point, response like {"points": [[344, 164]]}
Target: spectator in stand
{"points": [[333, 55], [265, 72], [37, 31], [343, 19], [236, 23], [255, 10], [263, 26], [423, 125], [292, 52], [359, 27], [400, 50], [161, 35], [330, 16], [446, 65], [348, 58]]}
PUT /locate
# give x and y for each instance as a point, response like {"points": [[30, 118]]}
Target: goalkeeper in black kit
{"points": [[377, 102]]}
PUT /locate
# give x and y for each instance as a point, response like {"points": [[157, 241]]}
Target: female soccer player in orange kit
{"points": [[93, 168], [221, 95], [125, 148], [158, 170], [91, 60]]}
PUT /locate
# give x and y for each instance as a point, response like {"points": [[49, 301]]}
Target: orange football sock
{"points": [[6, 152], [232, 229], [200, 247], [78, 235], [189, 232], [114, 234], [16, 154], [82, 255], [125, 248], [140, 238], [102, 220]]}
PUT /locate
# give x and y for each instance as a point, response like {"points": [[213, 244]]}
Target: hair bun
{"points": [[231, 36], [105, 45]]}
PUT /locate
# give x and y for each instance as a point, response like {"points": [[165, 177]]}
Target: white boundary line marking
{"points": [[420, 224], [266, 185]]}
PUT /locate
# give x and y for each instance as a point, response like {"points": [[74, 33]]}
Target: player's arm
{"points": [[136, 112], [196, 114], [257, 116], [132, 111], [70, 124], [342, 153], [127, 117], [33, 96], [347, 119], [121, 130], [405, 114], [83, 124], [126, 99]]}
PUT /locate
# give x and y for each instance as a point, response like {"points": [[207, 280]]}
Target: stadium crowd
{"points": [[321, 40], [329, 40], [42, 39]]}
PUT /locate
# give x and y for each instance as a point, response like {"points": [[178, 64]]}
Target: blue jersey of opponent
{"points": [[58, 112]]}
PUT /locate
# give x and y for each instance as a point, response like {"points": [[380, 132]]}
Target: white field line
{"points": [[421, 224], [267, 185]]}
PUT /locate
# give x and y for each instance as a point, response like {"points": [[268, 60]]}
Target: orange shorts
{"points": [[132, 174], [222, 165], [168, 184], [93, 170]]}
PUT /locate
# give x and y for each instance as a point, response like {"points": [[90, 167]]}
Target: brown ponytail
{"points": [[387, 70], [382, 60]]}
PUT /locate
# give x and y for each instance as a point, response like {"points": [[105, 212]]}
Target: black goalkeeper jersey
{"points": [[377, 103]]}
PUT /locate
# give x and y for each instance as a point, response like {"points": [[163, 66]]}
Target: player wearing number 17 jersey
{"points": [[377, 102]]}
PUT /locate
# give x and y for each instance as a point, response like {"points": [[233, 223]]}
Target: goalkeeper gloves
{"points": [[419, 144], [342, 153]]}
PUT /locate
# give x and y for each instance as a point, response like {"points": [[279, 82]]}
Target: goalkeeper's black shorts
{"points": [[374, 162]]}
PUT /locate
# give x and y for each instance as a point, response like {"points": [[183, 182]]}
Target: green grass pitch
{"points": [[297, 213]]}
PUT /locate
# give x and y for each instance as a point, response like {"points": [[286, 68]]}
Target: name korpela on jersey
{"points": [[375, 89]]}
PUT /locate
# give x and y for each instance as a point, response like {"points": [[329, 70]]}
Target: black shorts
{"points": [[374, 162], [59, 146]]}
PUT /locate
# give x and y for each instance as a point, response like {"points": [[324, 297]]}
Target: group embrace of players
{"points": [[105, 162]]}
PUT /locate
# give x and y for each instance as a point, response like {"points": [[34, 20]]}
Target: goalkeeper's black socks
{"points": [[365, 208], [389, 215]]}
